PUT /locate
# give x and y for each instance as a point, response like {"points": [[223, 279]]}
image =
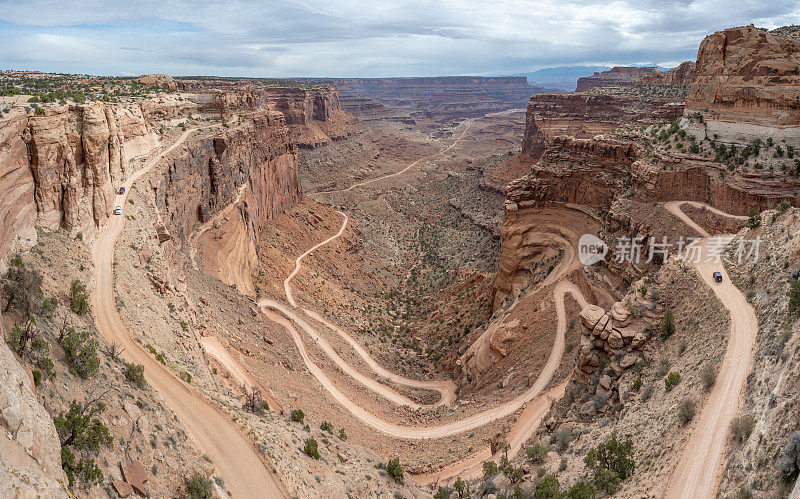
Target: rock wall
{"points": [[257, 155], [619, 76], [681, 76], [30, 450], [314, 115], [746, 76], [161, 81], [59, 169]]}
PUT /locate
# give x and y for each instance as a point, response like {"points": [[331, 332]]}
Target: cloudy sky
{"points": [[362, 38]]}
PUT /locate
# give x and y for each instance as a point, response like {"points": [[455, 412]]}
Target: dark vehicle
{"points": [[717, 276], [121, 190]]}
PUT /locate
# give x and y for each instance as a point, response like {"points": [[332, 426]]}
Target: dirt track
{"points": [[245, 472], [702, 463]]}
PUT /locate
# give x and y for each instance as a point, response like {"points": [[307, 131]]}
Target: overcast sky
{"points": [[362, 38]]}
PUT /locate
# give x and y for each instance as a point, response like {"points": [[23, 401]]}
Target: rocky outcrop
{"points": [[30, 450], [749, 80], [681, 76], [59, 169], [613, 339], [313, 114], [257, 155], [161, 81], [619, 76]]}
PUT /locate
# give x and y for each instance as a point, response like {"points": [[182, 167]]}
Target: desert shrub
{"points": [[537, 453], [741, 427], [135, 374], [395, 469], [581, 490], [326, 426], [511, 472], [80, 350], [79, 430], [49, 306], [637, 383], [611, 462], [78, 299], [253, 402], [199, 487], [794, 299], [671, 381], [708, 375], [561, 438], [754, 218], [342, 434], [186, 376], [442, 493], [311, 449], [686, 410], [22, 288], [460, 487], [184, 325], [298, 415], [547, 488], [789, 463], [37, 377], [667, 325], [489, 469]]}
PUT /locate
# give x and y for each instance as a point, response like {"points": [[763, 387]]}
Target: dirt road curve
{"points": [[700, 467], [245, 473], [395, 174]]}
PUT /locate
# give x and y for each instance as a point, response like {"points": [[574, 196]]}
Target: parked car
{"points": [[118, 210], [717, 276], [122, 190]]}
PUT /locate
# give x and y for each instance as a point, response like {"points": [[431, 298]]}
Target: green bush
{"points": [[186, 376], [395, 469], [78, 299], [741, 427], [668, 325], [511, 472], [22, 288], [671, 381], [80, 350], [611, 462], [686, 410], [79, 430], [135, 374], [326, 426], [442, 493], [537, 453], [754, 219], [581, 490], [298, 415], [794, 299], [342, 434], [547, 488], [311, 448], [489, 469], [37, 377], [708, 375], [199, 487]]}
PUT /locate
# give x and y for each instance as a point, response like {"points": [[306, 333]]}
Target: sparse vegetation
{"points": [[537, 453], [741, 427], [395, 469], [298, 415], [83, 433], [611, 463], [80, 350], [708, 375], [490, 469], [547, 488], [199, 487], [667, 325], [78, 298], [794, 299], [671, 381], [134, 373], [311, 449], [686, 410]]}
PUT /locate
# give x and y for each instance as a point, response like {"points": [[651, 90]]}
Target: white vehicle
{"points": [[118, 210]]}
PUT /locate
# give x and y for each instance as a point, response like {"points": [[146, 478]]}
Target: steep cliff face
{"points": [[314, 115], [59, 169], [682, 76], [620, 76], [748, 76], [257, 155]]}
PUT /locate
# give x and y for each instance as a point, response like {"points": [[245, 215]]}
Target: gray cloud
{"points": [[351, 38]]}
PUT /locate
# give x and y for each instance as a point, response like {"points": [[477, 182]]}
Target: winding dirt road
{"points": [[246, 473], [699, 470]]}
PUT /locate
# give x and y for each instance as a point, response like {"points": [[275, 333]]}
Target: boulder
{"points": [[629, 360], [605, 381], [135, 475], [590, 315], [615, 340]]}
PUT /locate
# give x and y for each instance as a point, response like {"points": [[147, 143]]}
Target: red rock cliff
{"points": [[746, 75], [682, 76], [257, 155], [59, 169], [620, 76]]}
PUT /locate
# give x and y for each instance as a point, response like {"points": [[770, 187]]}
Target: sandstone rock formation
{"points": [[30, 450], [619, 76], [681, 76], [59, 169], [257, 153], [161, 81], [747, 85]]}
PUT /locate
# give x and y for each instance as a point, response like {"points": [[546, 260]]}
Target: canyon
{"points": [[320, 278]]}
